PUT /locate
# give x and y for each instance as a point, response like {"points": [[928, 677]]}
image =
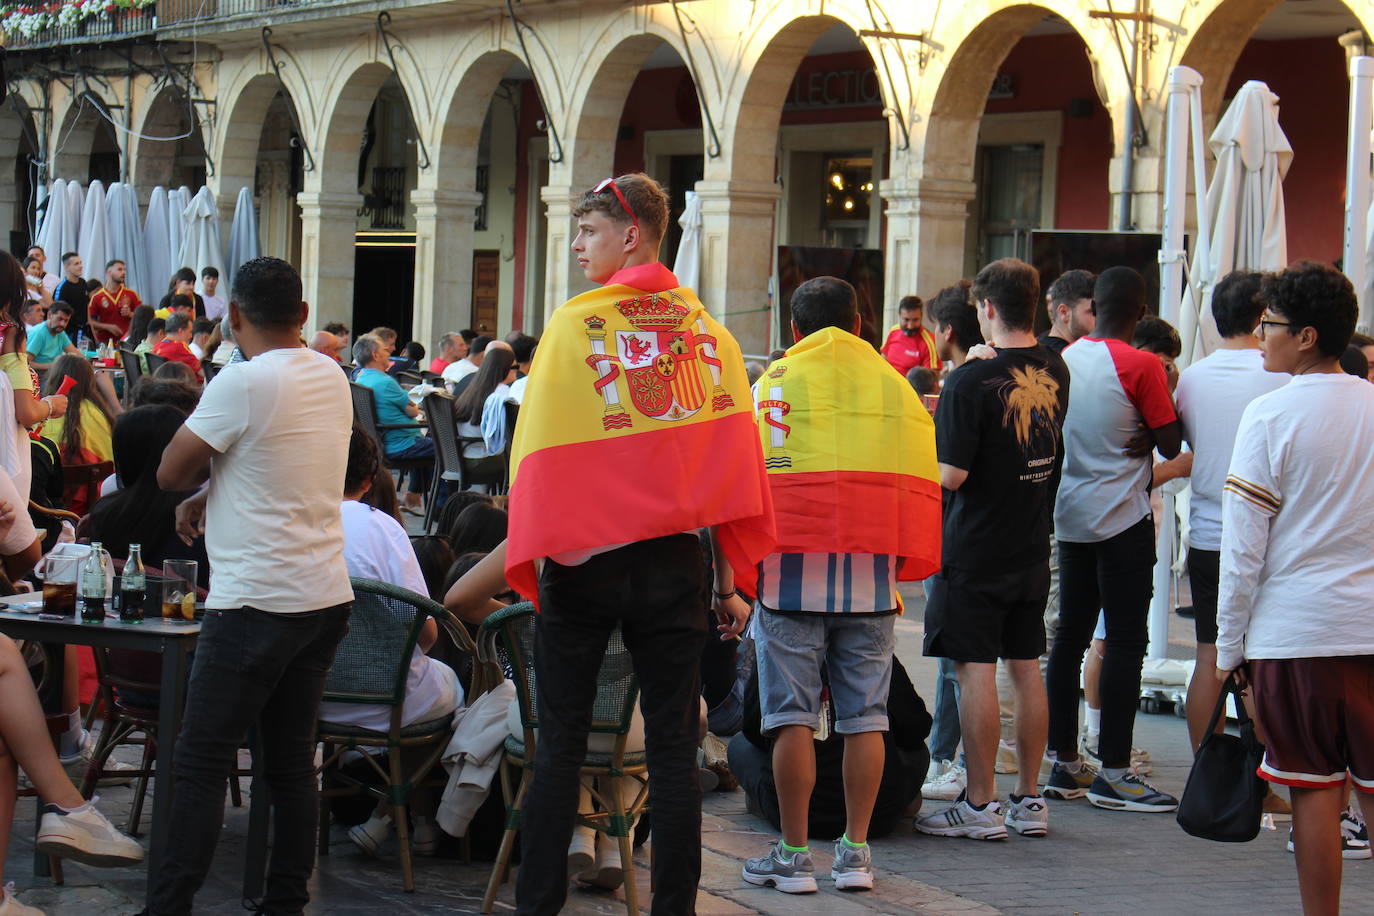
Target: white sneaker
{"points": [[946, 781], [608, 874], [76, 766], [424, 835], [1006, 759], [9, 906], [84, 835], [371, 834], [581, 852], [1029, 816], [962, 819]]}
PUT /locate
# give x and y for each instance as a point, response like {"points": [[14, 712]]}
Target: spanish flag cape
{"points": [[637, 422], [850, 453]]}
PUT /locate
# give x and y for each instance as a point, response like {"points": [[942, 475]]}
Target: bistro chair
{"points": [[601, 773], [133, 371], [81, 484], [365, 415], [449, 464], [154, 362], [371, 667]]}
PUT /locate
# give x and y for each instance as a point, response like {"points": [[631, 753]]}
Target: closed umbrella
{"points": [[1244, 207], [243, 235], [156, 233], [71, 226], [94, 243], [200, 247], [50, 233], [177, 202], [126, 238], [687, 264]]}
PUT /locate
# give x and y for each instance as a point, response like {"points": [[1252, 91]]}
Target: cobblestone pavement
{"points": [[1093, 862]]}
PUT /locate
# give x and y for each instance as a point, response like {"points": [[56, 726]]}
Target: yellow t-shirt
{"points": [[16, 366], [95, 431]]}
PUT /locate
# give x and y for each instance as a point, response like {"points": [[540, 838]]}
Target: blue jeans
{"points": [[419, 447], [251, 666], [945, 733]]}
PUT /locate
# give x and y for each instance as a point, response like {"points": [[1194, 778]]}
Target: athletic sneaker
{"points": [[1006, 759], [371, 833], [1029, 816], [1354, 838], [790, 872], [10, 906], [962, 819], [1140, 758], [853, 867], [84, 835], [1064, 784], [1129, 793], [945, 781]]}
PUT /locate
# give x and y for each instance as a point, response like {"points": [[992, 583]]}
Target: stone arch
{"points": [[458, 128], [20, 176], [241, 135], [342, 123], [168, 142], [81, 131]]}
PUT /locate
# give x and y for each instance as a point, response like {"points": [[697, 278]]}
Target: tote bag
{"points": [[1225, 795]]}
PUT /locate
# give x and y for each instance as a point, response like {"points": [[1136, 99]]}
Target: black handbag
{"points": [[1224, 798]]}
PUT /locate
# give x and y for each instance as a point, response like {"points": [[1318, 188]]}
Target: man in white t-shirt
{"points": [[1297, 567], [214, 304], [468, 365], [266, 437], [1212, 394]]}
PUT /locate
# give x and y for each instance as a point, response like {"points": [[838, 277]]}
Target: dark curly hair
{"points": [[1234, 306], [268, 293], [1314, 295], [364, 458]]}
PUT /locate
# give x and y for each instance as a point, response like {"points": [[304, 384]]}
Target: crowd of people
{"points": [[1011, 473]]}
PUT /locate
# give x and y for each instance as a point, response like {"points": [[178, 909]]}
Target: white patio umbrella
{"points": [[54, 219], [1244, 206], [244, 245], [126, 238], [177, 202], [200, 247], [71, 227], [687, 264], [156, 244], [94, 243]]}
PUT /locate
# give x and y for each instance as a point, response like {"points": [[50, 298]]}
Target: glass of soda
{"points": [[132, 591], [59, 585], [179, 590]]}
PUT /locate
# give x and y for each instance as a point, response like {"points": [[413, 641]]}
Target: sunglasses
{"points": [[619, 195]]}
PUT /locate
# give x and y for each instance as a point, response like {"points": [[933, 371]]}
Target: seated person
{"points": [[139, 511], [176, 372], [82, 434], [49, 340], [481, 414], [157, 330], [478, 529], [201, 330], [175, 346], [182, 287], [899, 795], [394, 408], [436, 559], [377, 547], [408, 360]]}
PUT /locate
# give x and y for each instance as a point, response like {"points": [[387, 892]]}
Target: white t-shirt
{"points": [[458, 371], [1212, 394], [377, 547], [20, 533], [1297, 536], [1103, 491], [273, 530], [517, 389], [214, 307]]}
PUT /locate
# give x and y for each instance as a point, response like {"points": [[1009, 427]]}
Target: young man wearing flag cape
{"points": [[856, 496], [637, 431]]}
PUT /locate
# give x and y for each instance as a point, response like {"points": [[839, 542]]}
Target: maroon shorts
{"points": [[1317, 715]]}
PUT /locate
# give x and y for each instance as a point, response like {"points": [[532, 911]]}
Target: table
{"points": [[173, 640]]}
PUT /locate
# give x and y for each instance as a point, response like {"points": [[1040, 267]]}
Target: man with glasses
{"points": [[1297, 568], [639, 425]]}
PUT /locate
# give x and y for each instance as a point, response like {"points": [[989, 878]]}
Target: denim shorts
{"points": [[856, 650]]}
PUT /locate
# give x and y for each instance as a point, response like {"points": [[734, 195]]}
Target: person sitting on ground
{"points": [[201, 330], [157, 332], [481, 414], [50, 340], [461, 368], [477, 529], [376, 547], [183, 284], [395, 409], [905, 763], [141, 512], [175, 345], [452, 347]]}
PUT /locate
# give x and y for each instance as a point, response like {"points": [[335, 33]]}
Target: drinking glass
{"points": [[179, 590], [59, 585]]}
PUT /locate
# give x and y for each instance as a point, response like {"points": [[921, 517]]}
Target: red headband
{"points": [[619, 195]]}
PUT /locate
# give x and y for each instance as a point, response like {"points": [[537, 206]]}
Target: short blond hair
{"points": [[646, 197]]}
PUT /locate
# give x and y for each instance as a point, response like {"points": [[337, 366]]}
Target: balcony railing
{"points": [[105, 26]]}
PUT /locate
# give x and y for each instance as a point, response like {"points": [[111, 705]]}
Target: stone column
{"points": [[927, 219], [737, 241], [444, 225], [563, 279], [329, 224]]}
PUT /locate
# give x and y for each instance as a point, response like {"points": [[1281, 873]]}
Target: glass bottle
{"points": [[92, 584], [133, 587]]}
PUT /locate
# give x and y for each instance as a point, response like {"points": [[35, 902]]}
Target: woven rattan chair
{"points": [[371, 667], [617, 693]]}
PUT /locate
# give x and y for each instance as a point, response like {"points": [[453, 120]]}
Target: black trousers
{"points": [[655, 591], [1115, 576], [251, 666]]}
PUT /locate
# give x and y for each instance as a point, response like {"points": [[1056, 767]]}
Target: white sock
{"points": [[1093, 720], [69, 743]]}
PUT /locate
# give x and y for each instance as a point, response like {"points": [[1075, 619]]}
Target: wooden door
{"points": [[486, 288]]}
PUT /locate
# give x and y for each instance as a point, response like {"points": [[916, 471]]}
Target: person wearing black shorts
{"points": [[998, 433]]}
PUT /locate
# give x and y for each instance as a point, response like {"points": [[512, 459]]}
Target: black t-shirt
{"points": [[75, 294], [1052, 343], [1001, 420]]}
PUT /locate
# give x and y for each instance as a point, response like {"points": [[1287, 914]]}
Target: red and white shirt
{"points": [[1104, 491]]}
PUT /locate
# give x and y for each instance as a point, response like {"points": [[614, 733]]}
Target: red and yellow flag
{"points": [[637, 422], [850, 453]]}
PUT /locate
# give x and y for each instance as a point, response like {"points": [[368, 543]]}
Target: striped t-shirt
{"points": [[828, 583]]}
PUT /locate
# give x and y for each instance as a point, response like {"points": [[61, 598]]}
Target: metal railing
{"points": [[105, 27]]}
